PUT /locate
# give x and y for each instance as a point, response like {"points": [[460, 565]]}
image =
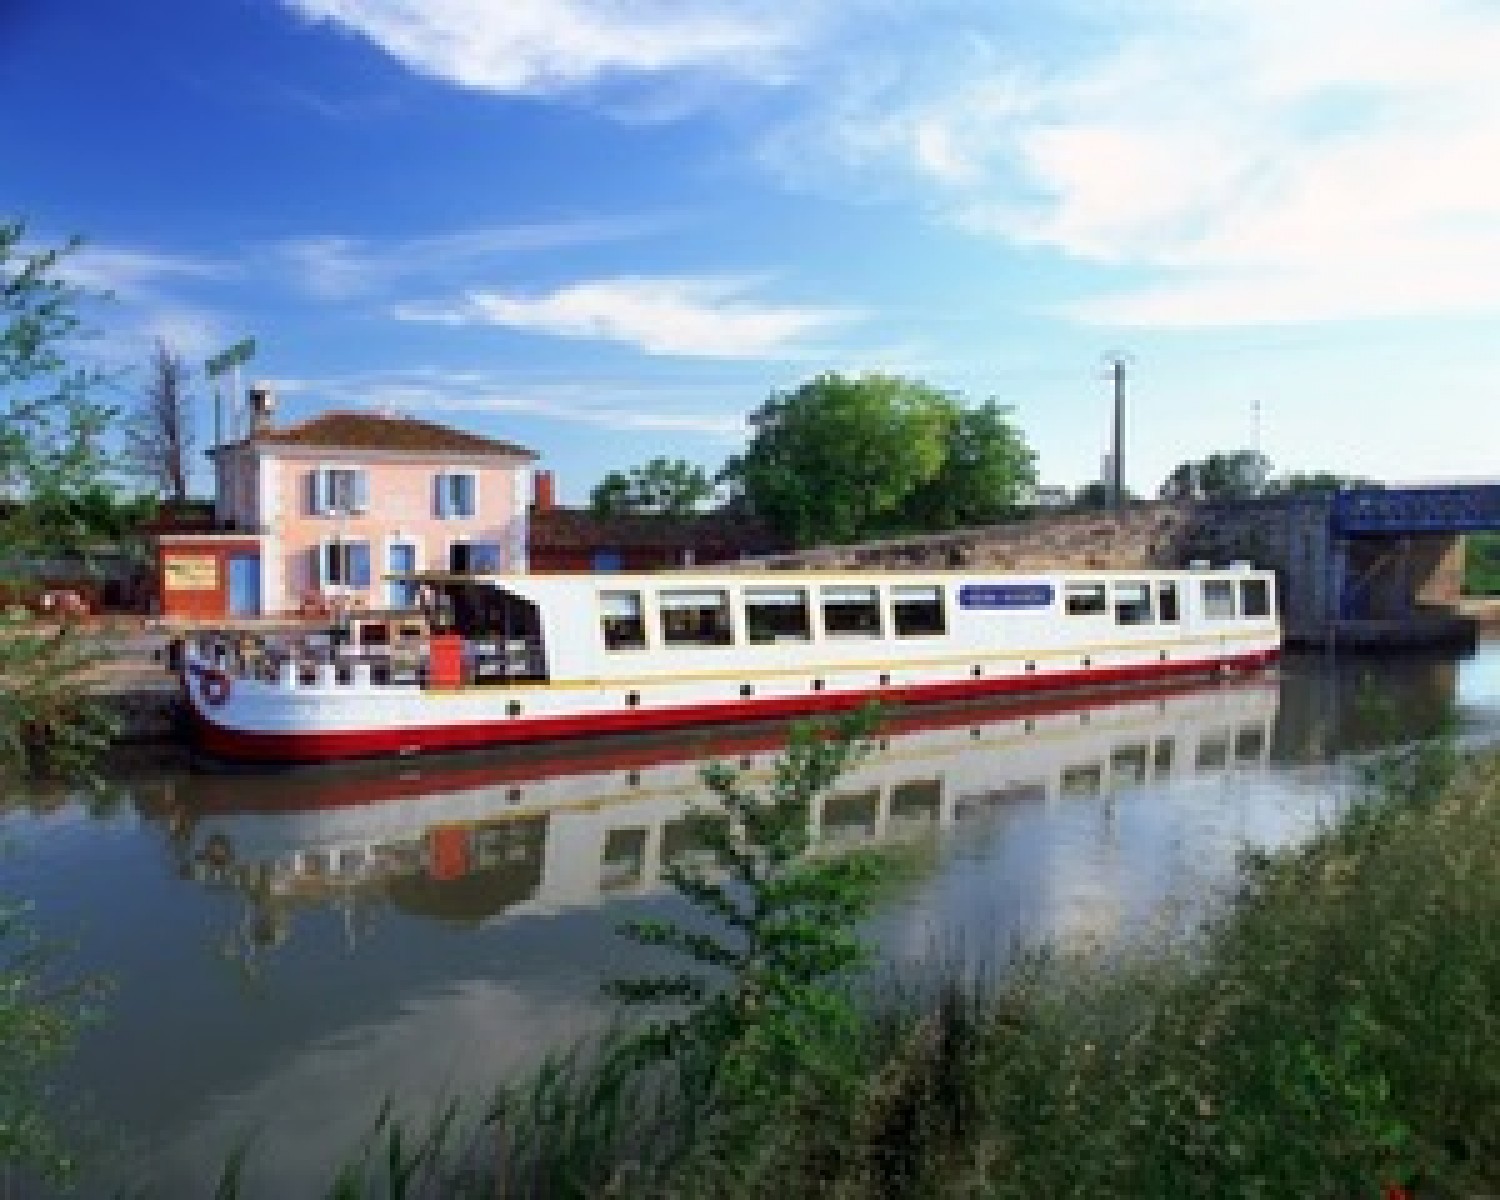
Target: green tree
{"points": [[1315, 481], [51, 467], [1234, 476], [668, 487], [987, 471], [839, 458]]}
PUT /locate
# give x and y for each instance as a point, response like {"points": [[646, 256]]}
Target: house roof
{"points": [[371, 431]]}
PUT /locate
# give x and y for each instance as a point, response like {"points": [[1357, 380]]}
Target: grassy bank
{"points": [[1482, 564], [1333, 1031]]}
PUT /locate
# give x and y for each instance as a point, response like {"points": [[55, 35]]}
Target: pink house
{"points": [[327, 509]]}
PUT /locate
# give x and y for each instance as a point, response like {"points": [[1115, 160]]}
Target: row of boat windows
{"points": [[702, 617], [1133, 600]]}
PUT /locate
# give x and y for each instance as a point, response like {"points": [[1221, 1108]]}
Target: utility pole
{"points": [[1117, 450]]}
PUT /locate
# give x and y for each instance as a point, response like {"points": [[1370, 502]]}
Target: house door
{"points": [[402, 561], [244, 585]]}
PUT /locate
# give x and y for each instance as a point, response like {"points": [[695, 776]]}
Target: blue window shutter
{"points": [[318, 557], [359, 564], [466, 491], [315, 492], [440, 493], [361, 491]]}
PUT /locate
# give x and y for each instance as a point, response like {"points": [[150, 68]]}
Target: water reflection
{"points": [[475, 842], [433, 930]]}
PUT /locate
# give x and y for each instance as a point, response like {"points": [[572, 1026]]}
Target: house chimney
{"points": [[262, 407], [543, 492]]}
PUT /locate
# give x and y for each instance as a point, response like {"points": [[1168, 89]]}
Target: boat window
{"points": [[1082, 599], [1127, 764], [1249, 744], [1255, 598], [1083, 780], [777, 615], [1218, 599], [1166, 603], [1213, 753], [1162, 756], [622, 620], [917, 610], [851, 611], [695, 618], [1132, 603]]}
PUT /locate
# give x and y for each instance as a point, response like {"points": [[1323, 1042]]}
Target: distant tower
{"points": [[262, 407]]}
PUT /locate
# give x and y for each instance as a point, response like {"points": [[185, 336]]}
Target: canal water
{"points": [[288, 950]]}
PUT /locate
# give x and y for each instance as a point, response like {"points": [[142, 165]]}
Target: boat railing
{"points": [[322, 660]]}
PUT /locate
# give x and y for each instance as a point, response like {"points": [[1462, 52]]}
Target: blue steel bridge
{"points": [[1394, 555], [1387, 512]]}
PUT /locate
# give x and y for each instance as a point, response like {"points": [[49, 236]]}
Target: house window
{"points": [[1166, 603], [851, 611], [1218, 599], [917, 610], [474, 558], [1084, 599], [456, 494], [343, 563], [338, 490], [1132, 604], [777, 615], [695, 618], [1255, 598], [622, 620]]}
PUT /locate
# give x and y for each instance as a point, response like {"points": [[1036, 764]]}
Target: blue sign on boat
{"points": [[1005, 595]]}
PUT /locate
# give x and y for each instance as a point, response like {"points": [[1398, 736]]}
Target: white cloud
{"points": [[686, 316], [335, 266], [542, 46], [128, 273], [632, 406], [1261, 160]]}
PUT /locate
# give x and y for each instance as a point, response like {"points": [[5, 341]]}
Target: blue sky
{"points": [[608, 229]]}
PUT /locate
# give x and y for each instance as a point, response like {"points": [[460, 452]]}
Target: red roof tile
{"points": [[370, 431]]}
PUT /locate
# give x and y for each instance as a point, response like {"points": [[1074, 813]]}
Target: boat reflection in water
{"points": [[474, 840]]}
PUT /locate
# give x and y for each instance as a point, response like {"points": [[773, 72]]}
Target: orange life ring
{"points": [[214, 686]]}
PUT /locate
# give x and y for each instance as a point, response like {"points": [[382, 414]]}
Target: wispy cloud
{"points": [[127, 272], [543, 46], [337, 266], [1236, 161], [705, 316], [633, 406]]}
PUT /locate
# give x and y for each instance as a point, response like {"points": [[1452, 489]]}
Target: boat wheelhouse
{"points": [[492, 660]]}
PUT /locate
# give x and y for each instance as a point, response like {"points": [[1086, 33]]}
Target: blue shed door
{"points": [[608, 560], [244, 585]]}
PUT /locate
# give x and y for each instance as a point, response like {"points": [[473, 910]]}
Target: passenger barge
{"points": [[491, 660]]}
